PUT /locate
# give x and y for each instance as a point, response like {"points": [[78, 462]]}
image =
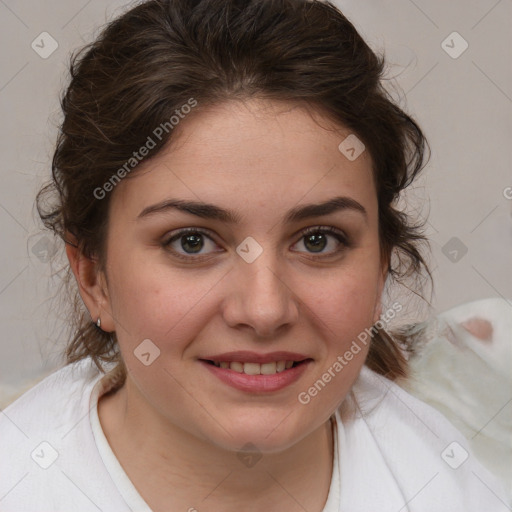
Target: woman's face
{"points": [[246, 278]]}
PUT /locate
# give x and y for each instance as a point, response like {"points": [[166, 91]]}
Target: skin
{"points": [[175, 428]]}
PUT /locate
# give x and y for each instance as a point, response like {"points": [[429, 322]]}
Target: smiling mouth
{"points": [[270, 368]]}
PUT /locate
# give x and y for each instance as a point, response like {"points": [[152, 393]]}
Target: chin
{"points": [[262, 436]]}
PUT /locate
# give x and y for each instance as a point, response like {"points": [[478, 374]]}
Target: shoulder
{"points": [[53, 402], [46, 441], [414, 448]]}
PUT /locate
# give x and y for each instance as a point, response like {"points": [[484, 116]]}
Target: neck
{"points": [[173, 467]]}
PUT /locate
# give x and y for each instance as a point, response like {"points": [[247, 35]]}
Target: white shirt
{"points": [[392, 453]]}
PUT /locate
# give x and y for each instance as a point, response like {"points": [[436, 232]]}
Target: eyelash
{"points": [[336, 233]]}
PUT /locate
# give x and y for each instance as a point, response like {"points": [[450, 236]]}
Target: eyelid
{"points": [[323, 229], [175, 234], [301, 232]]}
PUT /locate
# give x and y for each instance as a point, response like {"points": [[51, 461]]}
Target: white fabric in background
{"points": [[463, 368]]}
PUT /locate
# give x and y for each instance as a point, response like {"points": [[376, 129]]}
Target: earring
{"points": [[98, 323]]}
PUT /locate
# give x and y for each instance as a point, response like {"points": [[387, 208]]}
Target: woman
{"points": [[224, 180]]}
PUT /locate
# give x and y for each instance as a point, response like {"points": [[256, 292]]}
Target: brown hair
{"points": [[151, 60]]}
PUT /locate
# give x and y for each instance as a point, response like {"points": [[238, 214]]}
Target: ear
{"points": [[92, 284]]}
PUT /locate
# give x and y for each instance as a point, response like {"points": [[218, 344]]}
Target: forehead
{"points": [[258, 151]]}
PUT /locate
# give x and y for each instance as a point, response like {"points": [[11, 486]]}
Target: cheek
{"points": [[150, 300], [343, 307]]}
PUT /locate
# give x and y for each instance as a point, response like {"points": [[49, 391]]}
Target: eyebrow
{"points": [[211, 211]]}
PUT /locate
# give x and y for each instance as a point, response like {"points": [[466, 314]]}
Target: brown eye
{"points": [[189, 242], [317, 239], [192, 243], [315, 242]]}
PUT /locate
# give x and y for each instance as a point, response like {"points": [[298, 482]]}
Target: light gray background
{"points": [[463, 104]]}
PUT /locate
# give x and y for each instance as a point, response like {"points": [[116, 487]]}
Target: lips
{"points": [[253, 372]]}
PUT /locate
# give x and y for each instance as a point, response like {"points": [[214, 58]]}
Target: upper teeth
{"points": [[255, 368]]}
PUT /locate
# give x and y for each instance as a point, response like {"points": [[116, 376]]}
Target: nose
{"points": [[260, 299]]}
